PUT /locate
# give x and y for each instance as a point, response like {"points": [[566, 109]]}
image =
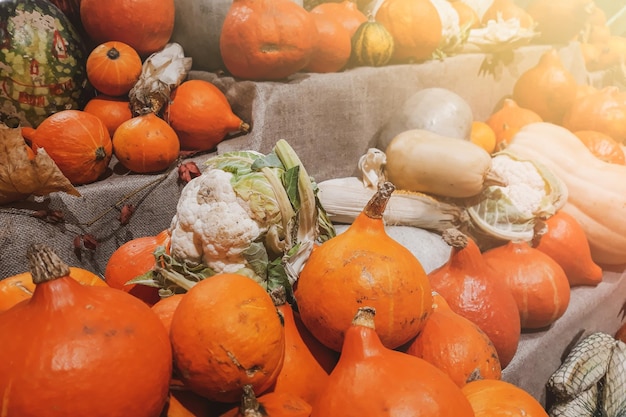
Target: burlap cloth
{"points": [[330, 120]]}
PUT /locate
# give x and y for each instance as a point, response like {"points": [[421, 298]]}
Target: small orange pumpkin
{"points": [[226, 333], [345, 12], [271, 404], [333, 47], [165, 307], [508, 120], [507, 9], [113, 68], [456, 345], [113, 111], [146, 144], [493, 397], [77, 141], [602, 146], [20, 287], [201, 115]]}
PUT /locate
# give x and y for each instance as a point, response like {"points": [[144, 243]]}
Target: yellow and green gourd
{"points": [[372, 44]]}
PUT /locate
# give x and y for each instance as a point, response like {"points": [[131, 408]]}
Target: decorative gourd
{"points": [[564, 241], [201, 115], [372, 380], [113, 111], [547, 88], [415, 26], [472, 290], [603, 111], [508, 119], [435, 109], [423, 161], [507, 10], [132, 259], [226, 333], [364, 263], [346, 12], [20, 287], [596, 189], [602, 146], [77, 141], [146, 25], [113, 68], [559, 21], [372, 44], [332, 49], [97, 340], [271, 404], [490, 397], [301, 374], [455, 345], [538, 283], [267, 39], [146, 144], [43, 72]]}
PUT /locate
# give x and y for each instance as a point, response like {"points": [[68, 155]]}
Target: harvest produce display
{"points": [[189, 239]]}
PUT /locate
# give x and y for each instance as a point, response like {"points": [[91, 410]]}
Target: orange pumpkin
{"points": [[364, 263], [559, 21], [333, 47], [113, 111], [508, 120], [372, 380], [565, 241], [77, 141], [603, 111], [537, 282], [506, 10], [132, 259], [602, 146], [146, 25], [345, 12], [201, 115], [185, 403], [20, 287], [113, 68], [490, 397], [95, 339], [472, 290], [146, 144], [266, 39], [226, 333], [456, 345], [165, 307], [415, 26], [547, 88]]}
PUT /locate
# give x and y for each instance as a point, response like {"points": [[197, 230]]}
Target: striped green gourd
{"points": [[372, 44]]}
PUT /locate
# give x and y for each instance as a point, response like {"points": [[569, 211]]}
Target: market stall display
{"points": [[256, 150]]}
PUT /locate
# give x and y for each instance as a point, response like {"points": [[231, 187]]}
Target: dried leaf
{"points": [[21, 176], [188, 171], [90, 242], [126, 213]]}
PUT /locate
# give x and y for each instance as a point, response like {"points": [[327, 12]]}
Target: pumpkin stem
{"points": [[244, 127], [250, 406], [100, 154], [113, 54], [279, 295], [377, 204], [364, 317], [454, 238], [44, 264]]}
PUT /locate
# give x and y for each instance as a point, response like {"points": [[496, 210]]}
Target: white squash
{"points": [[597, 189]]}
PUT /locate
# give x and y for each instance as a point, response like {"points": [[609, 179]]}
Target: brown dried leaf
{"points": [[20, 176]]}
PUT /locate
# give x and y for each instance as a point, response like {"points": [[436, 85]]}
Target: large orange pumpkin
{"points": [[146, 25], [77, 141], [415, 26]]}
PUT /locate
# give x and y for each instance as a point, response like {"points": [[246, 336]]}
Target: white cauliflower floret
{"points": [[526, 188], [210, 225]]}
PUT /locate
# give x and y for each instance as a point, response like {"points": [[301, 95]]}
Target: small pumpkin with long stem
{"points": [[372, 380], [88, 351], [364, 264], [472, 290]]}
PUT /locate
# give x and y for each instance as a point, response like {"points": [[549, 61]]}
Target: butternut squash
{"points": [[596, 189]]}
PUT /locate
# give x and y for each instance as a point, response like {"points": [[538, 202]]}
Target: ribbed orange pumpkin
{"points": [[113, 68], [201, 115], [364, 263], [146, 25], [547, 88], [415, 26], [77, 141]]}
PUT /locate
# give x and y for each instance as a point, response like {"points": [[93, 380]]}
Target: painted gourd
{"points": [[42, 62]]}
